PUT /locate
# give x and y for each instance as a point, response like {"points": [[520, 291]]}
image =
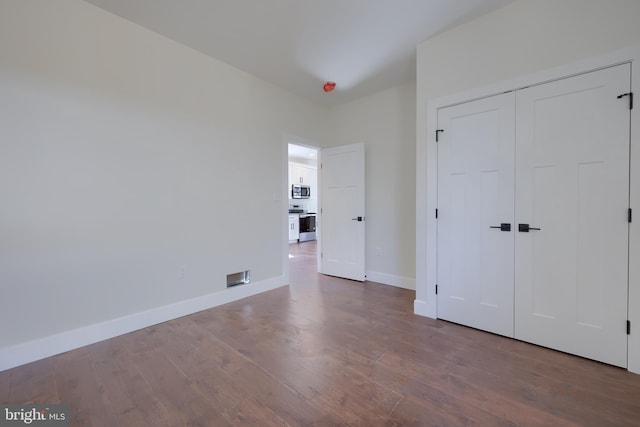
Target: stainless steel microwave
{"points": [[300, 191]]}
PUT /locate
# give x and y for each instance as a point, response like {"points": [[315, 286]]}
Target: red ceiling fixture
{"points": [[329, 86]]}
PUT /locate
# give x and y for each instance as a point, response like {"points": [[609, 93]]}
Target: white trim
{"points": [[421, 308], [391, 280], [424, 305], [41, 348], [284, 178], [427, 174], [319, 215], [633, 354]]}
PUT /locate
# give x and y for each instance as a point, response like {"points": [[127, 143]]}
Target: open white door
{"points": [[342, 212]]}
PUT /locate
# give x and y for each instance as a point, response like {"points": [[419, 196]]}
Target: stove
{"points": [[307, 227]]}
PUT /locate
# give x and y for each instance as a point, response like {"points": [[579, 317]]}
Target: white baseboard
{"points": [[41, 348], [391, 280], [421, 308]]}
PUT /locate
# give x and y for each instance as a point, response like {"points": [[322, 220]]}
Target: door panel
{"points": [[475, 192], [343, 238], [572, 181]]}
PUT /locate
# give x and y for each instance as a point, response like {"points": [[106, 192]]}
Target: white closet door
{"points": [[572, 182], [475, 192]]}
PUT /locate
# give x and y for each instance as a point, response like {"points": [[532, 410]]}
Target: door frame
{"points": [[425, 303]]}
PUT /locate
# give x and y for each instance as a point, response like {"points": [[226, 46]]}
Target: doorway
{"points": [[303, 200]]}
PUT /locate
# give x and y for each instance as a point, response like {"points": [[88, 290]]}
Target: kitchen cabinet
{"points": [[300, 173], [294, 227], [313, 183]]}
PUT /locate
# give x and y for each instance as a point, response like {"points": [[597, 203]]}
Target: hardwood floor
{"points": [[328, 352]]}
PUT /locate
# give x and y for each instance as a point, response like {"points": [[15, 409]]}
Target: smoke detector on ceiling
{"points": [[329, 86]]}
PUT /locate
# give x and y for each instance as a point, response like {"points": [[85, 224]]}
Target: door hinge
{"points": [[438, 134], [628, 327], [629, 215], [630, 95], [436, 213], [436, 289]]}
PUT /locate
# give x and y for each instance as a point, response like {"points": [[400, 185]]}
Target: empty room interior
{"points": [[281, 212]]}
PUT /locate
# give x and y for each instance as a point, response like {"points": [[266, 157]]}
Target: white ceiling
{"points": [[302, 152], [363, 45]]}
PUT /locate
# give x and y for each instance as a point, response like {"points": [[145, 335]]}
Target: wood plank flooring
{"points": [[324, 352]]}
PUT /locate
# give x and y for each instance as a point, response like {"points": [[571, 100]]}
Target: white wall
{"points": [[385, 122], [520, 38], [134, 172], [525, 37]]}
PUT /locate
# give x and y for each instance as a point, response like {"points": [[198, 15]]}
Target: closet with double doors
{"points": [[533, 214]]}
